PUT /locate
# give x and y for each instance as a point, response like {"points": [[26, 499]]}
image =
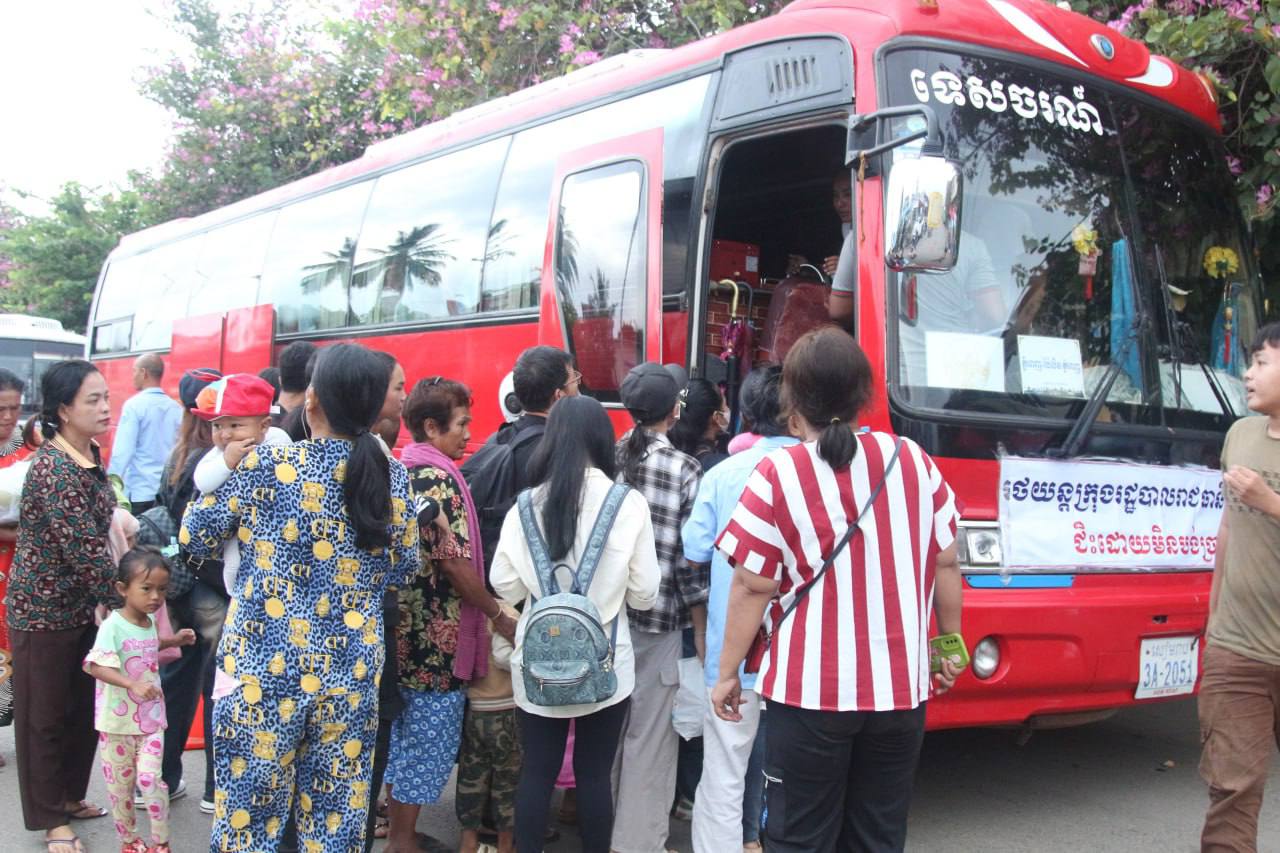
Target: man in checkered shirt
{"points": [[668, 479]]}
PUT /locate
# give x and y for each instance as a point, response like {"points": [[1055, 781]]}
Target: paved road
{"points": [[1127, 784]]}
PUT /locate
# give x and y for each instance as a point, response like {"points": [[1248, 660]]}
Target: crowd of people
{"points": [[360, 620]]}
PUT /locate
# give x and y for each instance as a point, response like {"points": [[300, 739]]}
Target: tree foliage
{"points": [[1236, 44], [54, 259]]}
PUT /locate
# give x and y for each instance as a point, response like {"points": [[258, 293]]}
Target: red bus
{"points": [[599, 211]]}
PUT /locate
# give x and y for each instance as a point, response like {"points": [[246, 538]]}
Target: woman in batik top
{"points": [[443, 640]]}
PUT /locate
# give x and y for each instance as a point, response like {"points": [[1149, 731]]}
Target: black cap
{"points": [[650, 392], [193, 382]]}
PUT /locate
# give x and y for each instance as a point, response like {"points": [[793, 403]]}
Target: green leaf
{"points": [[1272, 73]]}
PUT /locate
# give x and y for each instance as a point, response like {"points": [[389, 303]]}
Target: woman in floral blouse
{"points": [[61, 572], [443, 641]]}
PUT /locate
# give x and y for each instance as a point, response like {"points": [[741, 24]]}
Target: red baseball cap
{"points": [[239, 395]]}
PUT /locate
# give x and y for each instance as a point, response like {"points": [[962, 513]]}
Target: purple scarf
{"points": [[471, 661]]}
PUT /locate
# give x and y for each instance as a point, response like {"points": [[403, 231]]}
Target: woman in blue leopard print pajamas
{"points": [[324, 527]]}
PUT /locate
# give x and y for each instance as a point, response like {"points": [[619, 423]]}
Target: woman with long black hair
{"points": [[203, 608], [573, 469], [324, 525], [704, 418], [668, 479]]}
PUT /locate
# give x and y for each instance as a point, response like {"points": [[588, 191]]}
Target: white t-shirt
{"points": [[627, 574], [211, 472]]}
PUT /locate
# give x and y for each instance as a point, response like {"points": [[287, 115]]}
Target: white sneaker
{"points": [[176, 794], [206, 806]]}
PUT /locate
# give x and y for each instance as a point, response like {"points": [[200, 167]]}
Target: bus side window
{"points": [[164, 291], [422, 245], [230, 265], [518, 233], [601, 248], [308, 263]]}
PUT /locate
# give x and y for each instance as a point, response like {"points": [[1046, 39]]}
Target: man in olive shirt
{"points": [[1240, 691]]}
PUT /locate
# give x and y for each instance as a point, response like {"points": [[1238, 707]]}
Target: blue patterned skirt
{"points": [[424, 744]]}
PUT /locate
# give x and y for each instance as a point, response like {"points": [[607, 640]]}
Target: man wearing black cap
{"points": [[668, 479], [541, 376]]}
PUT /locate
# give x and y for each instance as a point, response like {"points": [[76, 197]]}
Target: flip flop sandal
{"points": [[381, 827], [62, 845], [86, 811]]}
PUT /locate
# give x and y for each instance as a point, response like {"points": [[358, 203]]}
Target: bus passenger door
{"points": [[247, 339], [238, 341], [602, 271]]}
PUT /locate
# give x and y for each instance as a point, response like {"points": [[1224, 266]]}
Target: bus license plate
{"points": [[1167, 666]]}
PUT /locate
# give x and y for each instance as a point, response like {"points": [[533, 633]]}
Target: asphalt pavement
{"points": [[1126, 784]]}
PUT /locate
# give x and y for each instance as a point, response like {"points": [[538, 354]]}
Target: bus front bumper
{"points": [[1068, 650]]}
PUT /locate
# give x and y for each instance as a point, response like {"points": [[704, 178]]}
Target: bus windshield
{"points": [[1100, 243]]}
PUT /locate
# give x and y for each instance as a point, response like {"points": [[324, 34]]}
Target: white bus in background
{"points": [[29, 345]]}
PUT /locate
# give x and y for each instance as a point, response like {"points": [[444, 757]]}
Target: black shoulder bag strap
{"points": [[835, 552]]}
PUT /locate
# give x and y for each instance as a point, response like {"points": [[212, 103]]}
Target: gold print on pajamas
{"points": [[310, 752]]}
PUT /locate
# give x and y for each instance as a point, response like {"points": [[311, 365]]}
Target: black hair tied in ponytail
{"points": [[350, 384], [836, 444]]}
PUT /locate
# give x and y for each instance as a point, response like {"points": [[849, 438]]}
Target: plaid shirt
{"points": [[668, 479]]}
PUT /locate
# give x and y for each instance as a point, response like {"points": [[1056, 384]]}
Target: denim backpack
{"points": [[568, 660]]}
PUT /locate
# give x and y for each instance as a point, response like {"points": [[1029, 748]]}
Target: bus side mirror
{"points": [[922, 215]]}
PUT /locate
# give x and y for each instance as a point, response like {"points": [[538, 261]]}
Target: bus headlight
{"points": [[985, 658], [981, 546]]}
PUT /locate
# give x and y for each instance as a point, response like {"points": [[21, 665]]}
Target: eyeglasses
{"points": [[434, 380], [574, 378]]}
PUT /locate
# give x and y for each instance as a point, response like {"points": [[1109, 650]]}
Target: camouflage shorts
{"points": [[488, 768]]}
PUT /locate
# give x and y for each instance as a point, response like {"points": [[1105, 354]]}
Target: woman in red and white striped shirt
{"points": [[847, 673]]}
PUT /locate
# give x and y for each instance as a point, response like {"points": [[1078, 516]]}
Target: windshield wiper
{"points": [[1093, 406], [1178, 350]]}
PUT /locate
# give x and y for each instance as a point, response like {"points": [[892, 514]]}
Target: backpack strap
{"points": [[599, 535], [537, 545]]}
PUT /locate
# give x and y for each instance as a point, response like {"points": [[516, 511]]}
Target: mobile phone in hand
{"points": [[947, 647]]}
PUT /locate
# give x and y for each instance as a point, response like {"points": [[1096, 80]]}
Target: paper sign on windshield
{"points": [[1081, 515], [959, 360], [1050, 366]]}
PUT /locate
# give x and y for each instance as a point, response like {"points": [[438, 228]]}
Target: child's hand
{"points": [[237, 450], [185, 637], [149, 691]]}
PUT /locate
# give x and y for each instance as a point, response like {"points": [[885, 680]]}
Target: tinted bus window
{"points": [[230, 265], [309, 260], [518, 234], [112, 337], [120, 288], [168, 276], [422, 245], [600, 273]]}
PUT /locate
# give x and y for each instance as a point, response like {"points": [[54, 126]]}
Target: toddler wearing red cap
{"points": [[239, 408]]}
